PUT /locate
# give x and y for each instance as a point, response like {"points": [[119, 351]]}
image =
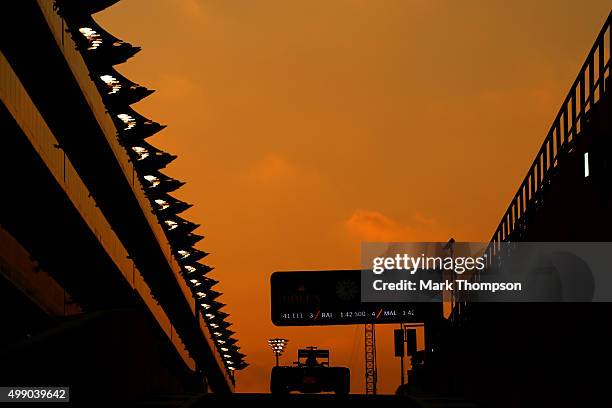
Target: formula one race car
{"points": [[309, 375]]}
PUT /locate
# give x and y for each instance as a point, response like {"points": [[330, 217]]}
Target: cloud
{"points": [[192, 9], [272, 168], [423, 219], [375, 226]]}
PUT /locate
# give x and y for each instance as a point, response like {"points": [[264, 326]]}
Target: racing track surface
{"points": [[320, 401]]}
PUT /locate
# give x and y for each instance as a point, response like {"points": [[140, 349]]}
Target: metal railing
{"points": [[588, 88]]}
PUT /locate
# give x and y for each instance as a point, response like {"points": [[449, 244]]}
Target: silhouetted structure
{"points": [[278, 347], [371, 372], [99, 276], [549, 354]]}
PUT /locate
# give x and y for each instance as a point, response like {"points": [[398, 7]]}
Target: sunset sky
{"points": [[306, 127]]}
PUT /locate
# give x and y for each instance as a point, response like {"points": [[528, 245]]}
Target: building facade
{"points": [[99, 273]]}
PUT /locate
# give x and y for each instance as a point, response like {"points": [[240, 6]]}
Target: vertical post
{"points": [[398, 345], [581, 103], [591, 90], [370, 358], [565, 127], [601, 65], [402, 370], [276, 359], [558, 137], [573, 117]]}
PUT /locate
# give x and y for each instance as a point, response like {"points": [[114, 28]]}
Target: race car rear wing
{"points": [[302, 353]]}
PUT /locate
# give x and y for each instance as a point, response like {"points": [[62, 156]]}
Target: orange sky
{"points": [[305, 127]]}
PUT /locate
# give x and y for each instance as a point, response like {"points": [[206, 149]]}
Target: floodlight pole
{"points": [[278, 346]]}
